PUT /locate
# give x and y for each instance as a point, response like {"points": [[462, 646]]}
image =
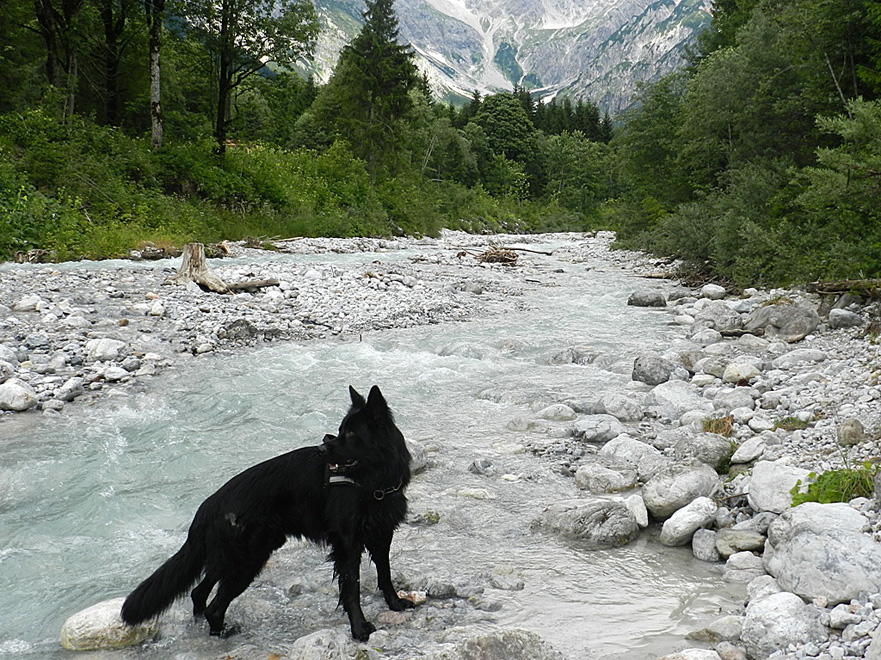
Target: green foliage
{"points": [[790, 424], [840, 485]]}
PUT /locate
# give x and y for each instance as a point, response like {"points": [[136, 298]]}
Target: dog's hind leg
{"points": [[239, 575], [379, 553], [200, 594]]}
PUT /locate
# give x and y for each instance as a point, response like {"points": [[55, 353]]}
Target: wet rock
{"points": [[771, 483], [692, 654], [674, 487], [778, 620], [636, 506], [598, 428], [575, 355], [17, 395], [725, 629], [703, 545], [679, 528], [647, 299], [557, 412], [599, 479], [598, 524], [330, 644], [622, 407], [652, 369], [789, 323], [820, 550], [101, 627], [710, 448], [499, 644], [731, 541]]}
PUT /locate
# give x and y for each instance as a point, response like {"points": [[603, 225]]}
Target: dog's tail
{"points": [[156, 594]]}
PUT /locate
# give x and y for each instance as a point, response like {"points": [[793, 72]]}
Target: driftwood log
{"points": [[863, 287], [193, 268]]}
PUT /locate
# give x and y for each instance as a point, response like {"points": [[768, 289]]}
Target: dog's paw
{"points": [[362, 631], [226, 632], [399, 604]]}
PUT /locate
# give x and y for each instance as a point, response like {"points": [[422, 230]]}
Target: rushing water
{"points": [[92, 501]]}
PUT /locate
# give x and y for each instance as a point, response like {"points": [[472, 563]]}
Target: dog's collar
{"points": [[380, 494], [340, 479]]}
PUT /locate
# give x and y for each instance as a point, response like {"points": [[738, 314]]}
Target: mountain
{"points": [[594, 49]]}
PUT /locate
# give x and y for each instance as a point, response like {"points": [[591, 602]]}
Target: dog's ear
{"points": [[357, 400], [376, 402]]}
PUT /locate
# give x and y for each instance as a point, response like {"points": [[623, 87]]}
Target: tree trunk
{"points": [[194, 269], [155, 14], [224, 77]]}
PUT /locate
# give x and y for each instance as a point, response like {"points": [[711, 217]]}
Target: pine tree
{"points": [[369, 93]]}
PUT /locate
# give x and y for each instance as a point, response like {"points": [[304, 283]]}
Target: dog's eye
{"points": [[350, 435]]}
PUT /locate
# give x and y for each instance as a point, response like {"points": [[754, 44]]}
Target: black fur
{"points": [[306, 493]]}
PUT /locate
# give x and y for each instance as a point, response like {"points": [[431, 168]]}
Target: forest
{"points": [[126, 123]]}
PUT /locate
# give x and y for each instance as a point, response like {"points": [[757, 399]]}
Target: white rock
{"points": [[750, 450], [557, 412], [675, 398], [600, 479], [101, 627], [770, 484], [713, 292], [104, 348], [598, 428], [799, 356], [679, 528], [636, 505], [17, 395], [820, 550], [642, 456], [775, 622], [28, 303], [674, 487], [740, 371], [693, 654]]}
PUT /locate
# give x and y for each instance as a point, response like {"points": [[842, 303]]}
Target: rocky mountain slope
{"points": [[595, 49]]}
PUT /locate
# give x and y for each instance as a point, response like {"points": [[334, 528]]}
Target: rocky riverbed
{"points": [[761, 389]]}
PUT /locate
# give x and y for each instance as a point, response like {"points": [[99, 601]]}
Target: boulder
{"points": [[736, 372], [850, 432], [717, 316], [652, 369], [104, 348], [710, 448], [675, 398], [743, 568], [713, 291], [598, 524], [798, 356], [17, 395], [493, 644], [330, 644], [790, 323], [598, 428], [599, 479], [647, 299], [731, 541], [102, 627], [820, 550], [692, 654], [750, 450], [703, 545], [676, 486], [778, 620], [771, 483], [739, 397], [842, 318], [621, 407], [636, 505], [727, 628], [643, 457], [681, 526]]}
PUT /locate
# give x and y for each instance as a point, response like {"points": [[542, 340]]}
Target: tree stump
{"points": [[194, 269]]}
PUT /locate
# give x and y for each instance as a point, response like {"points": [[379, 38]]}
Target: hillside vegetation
{"points": [[759, 161]]}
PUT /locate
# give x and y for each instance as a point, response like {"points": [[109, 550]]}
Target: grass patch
{"points": [[841, 485], [790, 424], [721, 425]]}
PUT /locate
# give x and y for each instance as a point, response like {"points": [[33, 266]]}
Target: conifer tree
{"points": [[369, 93]]}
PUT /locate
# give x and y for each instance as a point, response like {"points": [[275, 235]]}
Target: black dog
{"points": [[347, 492]]}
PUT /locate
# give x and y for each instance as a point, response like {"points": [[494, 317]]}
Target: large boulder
{"points": [[776, 621], [790, 323], [104, 348], [771, 483], [647, 299], [101, 627], [600, 479], [598, 428], [676, 486], [597, 524], [820, 550]]}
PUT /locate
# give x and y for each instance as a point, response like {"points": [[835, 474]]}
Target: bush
{"points": [[837, 485]]}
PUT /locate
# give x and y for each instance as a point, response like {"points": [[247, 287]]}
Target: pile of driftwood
{"points": [[498, 255], [193, 268], [868, 288]]}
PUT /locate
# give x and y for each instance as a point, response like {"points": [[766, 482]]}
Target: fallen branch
{"points": [[251, 285], [869, 287]]}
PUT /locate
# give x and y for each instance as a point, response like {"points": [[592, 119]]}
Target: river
{"points": [[93, 500]]}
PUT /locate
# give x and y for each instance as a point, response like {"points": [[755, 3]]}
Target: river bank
{"points": [[71, 336]]}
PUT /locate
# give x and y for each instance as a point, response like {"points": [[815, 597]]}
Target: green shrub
{"points": [[840, 485]]}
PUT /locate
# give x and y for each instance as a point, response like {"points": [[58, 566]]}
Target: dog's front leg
{"points": [[347, 565], [379, 549]]}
